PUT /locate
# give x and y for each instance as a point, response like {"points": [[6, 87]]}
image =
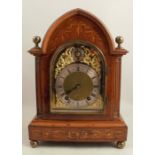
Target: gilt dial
{"points": [[77, 85]]}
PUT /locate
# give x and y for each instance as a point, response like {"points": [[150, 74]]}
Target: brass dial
{"points": [[77, 85]]}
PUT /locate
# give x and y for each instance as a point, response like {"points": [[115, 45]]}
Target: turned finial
{"points": [[119, 40], [36, 40]]}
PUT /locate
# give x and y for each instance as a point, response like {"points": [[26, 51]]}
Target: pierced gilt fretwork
{"points": [[90, 58]]}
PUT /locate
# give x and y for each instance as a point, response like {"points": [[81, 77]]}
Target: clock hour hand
{"points": [[72, 89]]}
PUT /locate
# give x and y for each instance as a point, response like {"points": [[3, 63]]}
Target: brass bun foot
{"points": [[34, 143], [120, 145]]}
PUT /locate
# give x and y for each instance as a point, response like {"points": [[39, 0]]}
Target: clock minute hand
{"points": [[72, 89]]}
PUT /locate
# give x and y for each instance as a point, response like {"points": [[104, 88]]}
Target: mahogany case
{"points": [[106, 126]]}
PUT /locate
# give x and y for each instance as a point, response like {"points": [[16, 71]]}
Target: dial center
{"points": [[78, 85]]}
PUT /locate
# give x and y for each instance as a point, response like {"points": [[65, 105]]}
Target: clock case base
{"points": [[77, 131]]}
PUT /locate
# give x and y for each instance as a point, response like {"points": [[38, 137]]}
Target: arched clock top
{"points": [[77, 24]]}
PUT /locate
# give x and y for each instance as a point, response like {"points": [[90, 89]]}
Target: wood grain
{"points": [[78, 25], [52, 130]]}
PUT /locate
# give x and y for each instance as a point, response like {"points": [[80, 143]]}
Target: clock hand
{"points": [[72, 89]]}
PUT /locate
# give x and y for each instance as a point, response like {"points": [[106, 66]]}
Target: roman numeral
{"points": [[62, 94], [68, 71], [77, 104], [78, 68], [95, 86], [61, 77], [93, 95], [94, 77]]}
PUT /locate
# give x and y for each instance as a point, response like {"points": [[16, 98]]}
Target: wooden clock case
{"points": [[107, 126]]}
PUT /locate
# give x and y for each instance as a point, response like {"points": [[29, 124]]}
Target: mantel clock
{"points": [[78, 73]]}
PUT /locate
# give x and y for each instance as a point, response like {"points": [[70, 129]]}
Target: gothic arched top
{"points": [[77, 24]]}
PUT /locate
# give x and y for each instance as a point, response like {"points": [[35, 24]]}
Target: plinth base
{"points": [[78, 131]]}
